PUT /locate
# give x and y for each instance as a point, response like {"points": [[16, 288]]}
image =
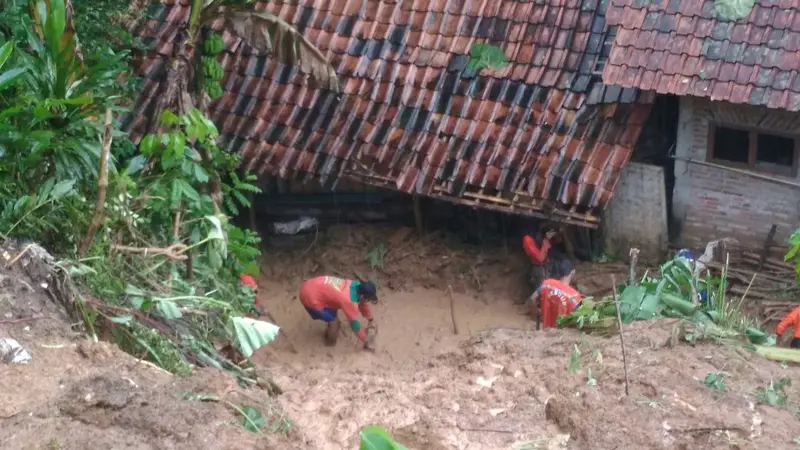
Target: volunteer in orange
{"points": [[324, 296], [791, 320], [555, 298], [257, 308]]}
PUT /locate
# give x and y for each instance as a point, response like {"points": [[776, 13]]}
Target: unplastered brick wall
{"points": [[711, 203]]}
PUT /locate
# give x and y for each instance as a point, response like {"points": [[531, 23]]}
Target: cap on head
{"points": [[368, 291], [247, 280]]}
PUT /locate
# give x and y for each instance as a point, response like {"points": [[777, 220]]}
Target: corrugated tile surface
{"points": [[682, 47], [543, 137]]}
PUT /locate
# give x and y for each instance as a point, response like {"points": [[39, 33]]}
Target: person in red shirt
{"points": [[553, 299], [324, 296], [258, 308], [546, 262], [790, 320]]}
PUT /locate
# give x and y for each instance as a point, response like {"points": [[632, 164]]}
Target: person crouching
{"points": [[324, 296], [555, 298]]}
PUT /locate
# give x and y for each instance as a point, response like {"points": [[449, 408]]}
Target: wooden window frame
{"points": [[753, 133]]}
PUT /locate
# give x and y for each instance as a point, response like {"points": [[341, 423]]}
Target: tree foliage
{"points": [[161, 271]]}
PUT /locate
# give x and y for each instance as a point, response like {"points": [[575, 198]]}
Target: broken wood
{"points": [[634, 255], [621, 338], [452, 309], [174, 252], [767, 243], [102, 188]]}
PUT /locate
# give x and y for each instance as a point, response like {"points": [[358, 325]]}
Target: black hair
{"points": [[562, 268]]}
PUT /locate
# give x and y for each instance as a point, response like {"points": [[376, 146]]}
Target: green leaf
{"points": [[377, 438], [8, 77], [630, 301], [169, 118], [251, 334], [199, 174], [251, 268], [148, 145], [733, 9], [168, 309], [62, 188], [136, 164], [123, 320], [253, 421], [5, 52], [483, 56]]}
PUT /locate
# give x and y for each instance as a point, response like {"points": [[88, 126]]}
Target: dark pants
{"points": [[538, 274], [555, 268], [326, 315], [795, 343]]}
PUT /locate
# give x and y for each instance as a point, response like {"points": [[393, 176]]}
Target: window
{"points": [[753, 149]]}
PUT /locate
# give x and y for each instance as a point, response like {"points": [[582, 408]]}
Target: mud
{"points": [[80, 394], [496, 384], [499, 384]]}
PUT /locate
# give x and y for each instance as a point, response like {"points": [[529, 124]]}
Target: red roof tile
{"points": [[682, 47], [537, 138]]}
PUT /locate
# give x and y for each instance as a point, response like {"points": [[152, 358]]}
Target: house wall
{"points": [[637, 214], [711, 203]]}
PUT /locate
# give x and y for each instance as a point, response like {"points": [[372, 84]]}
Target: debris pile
{"points": [[682, 288], [397, 258]]}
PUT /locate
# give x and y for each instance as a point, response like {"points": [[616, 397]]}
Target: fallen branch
{"points": [[621, 338], [452, 309], [174, 252], [16, 258], [20, 320], [102, 189]]}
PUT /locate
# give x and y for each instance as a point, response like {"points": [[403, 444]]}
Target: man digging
{"points": [[555, 297], [324, 296]]}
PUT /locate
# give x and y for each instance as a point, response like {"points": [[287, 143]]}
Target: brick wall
{"points": [[711, 203], [640, 195]]}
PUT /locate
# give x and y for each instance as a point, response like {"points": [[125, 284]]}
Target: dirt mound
{"points": [[507, 387], [78, 394], [400, 260]]}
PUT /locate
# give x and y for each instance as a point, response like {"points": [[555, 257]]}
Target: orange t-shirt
{"points": [[336, 293], [556, 299], [791, 320]]}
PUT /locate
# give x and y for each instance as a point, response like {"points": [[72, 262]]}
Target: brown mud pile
{"points": [[498, 389], [78, 394], [494, 384]]}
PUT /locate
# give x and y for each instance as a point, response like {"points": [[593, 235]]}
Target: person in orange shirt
{"points": [[324, 296], [258, 308], [546, 261], [790, 320], [555, 298]]}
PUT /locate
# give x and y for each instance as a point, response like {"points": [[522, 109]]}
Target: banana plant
{"points": [[54, 129], [193, 72], [9, 76]]}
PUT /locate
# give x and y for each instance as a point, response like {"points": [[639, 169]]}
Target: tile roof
{"points": [[542, 137], [682, 47]]}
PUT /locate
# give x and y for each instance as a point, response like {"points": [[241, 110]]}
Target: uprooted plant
{"points": [[670, 294]]}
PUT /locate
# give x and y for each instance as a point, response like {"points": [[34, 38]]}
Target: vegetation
{"points": [[674, 293], [147, 249], [377, 438]]}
